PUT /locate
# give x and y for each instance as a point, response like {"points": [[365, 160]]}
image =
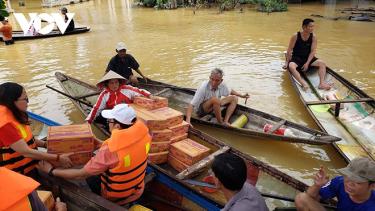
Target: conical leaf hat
{"points": [[108, 76]]}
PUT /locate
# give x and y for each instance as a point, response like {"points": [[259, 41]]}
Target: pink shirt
{"points": [[102, 161]]}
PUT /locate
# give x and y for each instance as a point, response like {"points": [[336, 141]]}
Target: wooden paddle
{"points": [[165, 86], [69, 96]]}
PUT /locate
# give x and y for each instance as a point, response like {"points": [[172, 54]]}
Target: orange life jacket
{"points": [[10, 158], [14, 190], [127, 179]]}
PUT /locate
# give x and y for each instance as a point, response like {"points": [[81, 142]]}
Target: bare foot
{"points": [[227, 124], [305, 87], [324, 86]]}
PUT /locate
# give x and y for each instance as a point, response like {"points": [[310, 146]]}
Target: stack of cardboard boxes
{"points": [[165, 124], [71, 138], [169, 134]]}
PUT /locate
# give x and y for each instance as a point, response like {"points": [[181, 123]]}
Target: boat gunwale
{"points": [[248, 132], [348, 85], [17, 35]]}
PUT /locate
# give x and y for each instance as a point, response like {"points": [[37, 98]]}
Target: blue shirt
{"points": [[335, 188]]}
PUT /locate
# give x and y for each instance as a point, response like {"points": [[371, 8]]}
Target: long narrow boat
{"points": [[19, 35], [344, 111], [180, 97], [167, 190]]}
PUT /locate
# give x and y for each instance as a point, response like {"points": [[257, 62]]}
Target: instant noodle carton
{"points": [[176, 164], [161, 135], [159, 146], [158, 157], [180, 129], [179, 138], [188, 151], [151, 104], [71, 138], [47, 198], [159, 119]]}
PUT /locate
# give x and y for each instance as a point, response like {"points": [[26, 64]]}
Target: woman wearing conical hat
{"points": [[115, 91]]}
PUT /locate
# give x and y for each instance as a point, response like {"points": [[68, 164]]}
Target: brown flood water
{"points": [[181, 48]]}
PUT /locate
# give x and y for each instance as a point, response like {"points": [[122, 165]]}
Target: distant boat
{"points": [[19, 35]]}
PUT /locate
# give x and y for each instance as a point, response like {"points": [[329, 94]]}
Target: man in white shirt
{"points": [[213, 94]]}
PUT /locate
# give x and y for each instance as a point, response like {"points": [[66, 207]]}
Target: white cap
{"points": [[120, 46], [122, 113]]}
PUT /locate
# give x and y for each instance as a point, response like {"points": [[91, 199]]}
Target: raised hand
{"points": [[321, 177]]}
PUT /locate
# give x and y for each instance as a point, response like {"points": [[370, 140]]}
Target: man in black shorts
{"points": [[301, 55]]}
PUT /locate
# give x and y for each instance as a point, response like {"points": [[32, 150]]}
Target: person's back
{"points": [[247, 199], [231, 173]]}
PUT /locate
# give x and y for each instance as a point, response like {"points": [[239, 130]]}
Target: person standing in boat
{"points": [[115, 91], [355, 189], [18, 147], [230, 173], [71, 25], [6, 29], [121, 161], [123, 63], [213, 94], [301, 55]]}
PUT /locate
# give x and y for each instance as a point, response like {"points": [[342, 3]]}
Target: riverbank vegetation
{"points": [[3, 10], [223, 5]]}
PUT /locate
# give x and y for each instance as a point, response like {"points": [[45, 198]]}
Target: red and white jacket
{"points": [[108, 99]]}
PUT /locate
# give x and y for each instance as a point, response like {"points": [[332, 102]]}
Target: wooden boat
{"points": [[19, 35], [344, 111], [179, 98], [167, 191]]}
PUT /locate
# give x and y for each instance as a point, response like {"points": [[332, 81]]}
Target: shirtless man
{"points": [[301, 55]]}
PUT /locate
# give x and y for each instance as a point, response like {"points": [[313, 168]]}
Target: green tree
{"points": [[3, 11]]}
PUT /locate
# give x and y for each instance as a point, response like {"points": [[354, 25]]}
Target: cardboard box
{"points": [[180, 129], [179, 138], [188, 151], [47, 198], [176, 164], [151, 104], [81, 158], [71, 138], [159, 146], [161, 135], [159, 119], [158, 157]]}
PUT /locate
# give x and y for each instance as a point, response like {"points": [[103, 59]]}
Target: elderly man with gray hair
{"points": [[213, 94]]}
